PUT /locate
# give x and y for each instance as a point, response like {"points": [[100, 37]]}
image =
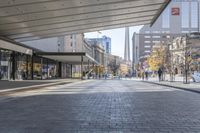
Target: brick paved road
{"points": [[101, 106]]}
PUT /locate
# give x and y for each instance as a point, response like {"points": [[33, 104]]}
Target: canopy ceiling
{"points": [[24, 20]]}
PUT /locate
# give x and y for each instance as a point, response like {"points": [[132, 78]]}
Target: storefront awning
{"points": [[68, 57], [25, 20], [14, 46]]}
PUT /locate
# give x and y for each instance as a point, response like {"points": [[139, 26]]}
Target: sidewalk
{"points": [[192, 86], [13, 86]]}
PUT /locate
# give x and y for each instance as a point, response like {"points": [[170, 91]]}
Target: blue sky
{"points": [[117, 38]]}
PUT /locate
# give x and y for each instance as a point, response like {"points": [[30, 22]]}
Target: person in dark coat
{"points": [[146, 74], [159, 73]]}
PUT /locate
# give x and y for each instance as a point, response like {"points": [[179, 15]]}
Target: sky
{"points": [[117, 38]]}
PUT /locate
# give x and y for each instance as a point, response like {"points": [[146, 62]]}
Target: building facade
{"points": [[179, 18], [104, 41], [185, 54], [20, 62], [71, 44]]}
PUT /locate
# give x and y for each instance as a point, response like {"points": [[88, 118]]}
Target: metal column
{"points": [[82, 67], [13, 65], [27, 66], [47, 68], [41, 66], [32, 62]]}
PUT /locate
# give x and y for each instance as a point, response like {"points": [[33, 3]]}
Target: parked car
{"points": [[196, 77]]}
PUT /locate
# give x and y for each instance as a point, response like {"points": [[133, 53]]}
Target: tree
{"points": [[157, 58], [114, 67]]}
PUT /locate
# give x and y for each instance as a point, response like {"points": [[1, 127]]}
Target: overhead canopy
{"points": [[68, 57], [24, 20], [10, 45]]}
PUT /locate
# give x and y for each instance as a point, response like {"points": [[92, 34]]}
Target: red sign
{"points": [[175, 11]]}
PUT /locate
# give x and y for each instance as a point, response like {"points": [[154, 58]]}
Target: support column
{"points": [[47, 69], [13, 65], [93, 70], [32, 62], [41, 63], [82, 67], [26, 67], [60, 69], [71, 71], [88, 69]]}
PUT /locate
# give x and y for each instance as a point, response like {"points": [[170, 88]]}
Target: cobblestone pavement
{"points": [[116, 106]]}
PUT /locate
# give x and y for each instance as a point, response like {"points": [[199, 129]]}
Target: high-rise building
{"points": [[127, 45], [179, 17], [104, 41]]}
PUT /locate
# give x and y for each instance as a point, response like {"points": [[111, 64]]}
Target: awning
{"points": [[14, 46], [68, 57], [24, 20]]}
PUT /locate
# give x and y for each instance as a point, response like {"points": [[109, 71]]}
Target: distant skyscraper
{"points": [[127, 45]]}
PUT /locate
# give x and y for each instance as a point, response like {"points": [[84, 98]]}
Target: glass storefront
{"points": [[44, 68], [5, 65], [19, 66], [22, 66]]}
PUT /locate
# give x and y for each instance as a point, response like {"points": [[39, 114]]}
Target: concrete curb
{"points": [[176, 87], [33, 87]]}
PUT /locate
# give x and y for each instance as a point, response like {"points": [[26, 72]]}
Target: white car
{"points": [[196, 76]]}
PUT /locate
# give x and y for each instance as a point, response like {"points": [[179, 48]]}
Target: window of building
{"points": [[165, 31], [185, 15], [147, 36], [71, 44], [194, 15], [147, 46], [194, 31], [147, 31], [156, 31], [185, 31], [147, 51], [155, 36], [107, 47], [147, 41], [166, 18], [156, 41]]}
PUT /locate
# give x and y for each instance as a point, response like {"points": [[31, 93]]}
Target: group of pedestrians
{"points": [[144, 74]]}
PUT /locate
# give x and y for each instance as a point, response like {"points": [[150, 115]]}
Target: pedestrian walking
{"points": [[142, 74], [146, 74], [159, 73]]}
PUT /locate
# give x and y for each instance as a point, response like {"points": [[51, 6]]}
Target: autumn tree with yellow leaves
{"points": [[158, 57]]}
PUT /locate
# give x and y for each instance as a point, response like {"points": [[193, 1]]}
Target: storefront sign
{"points": [[175, 11]]}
